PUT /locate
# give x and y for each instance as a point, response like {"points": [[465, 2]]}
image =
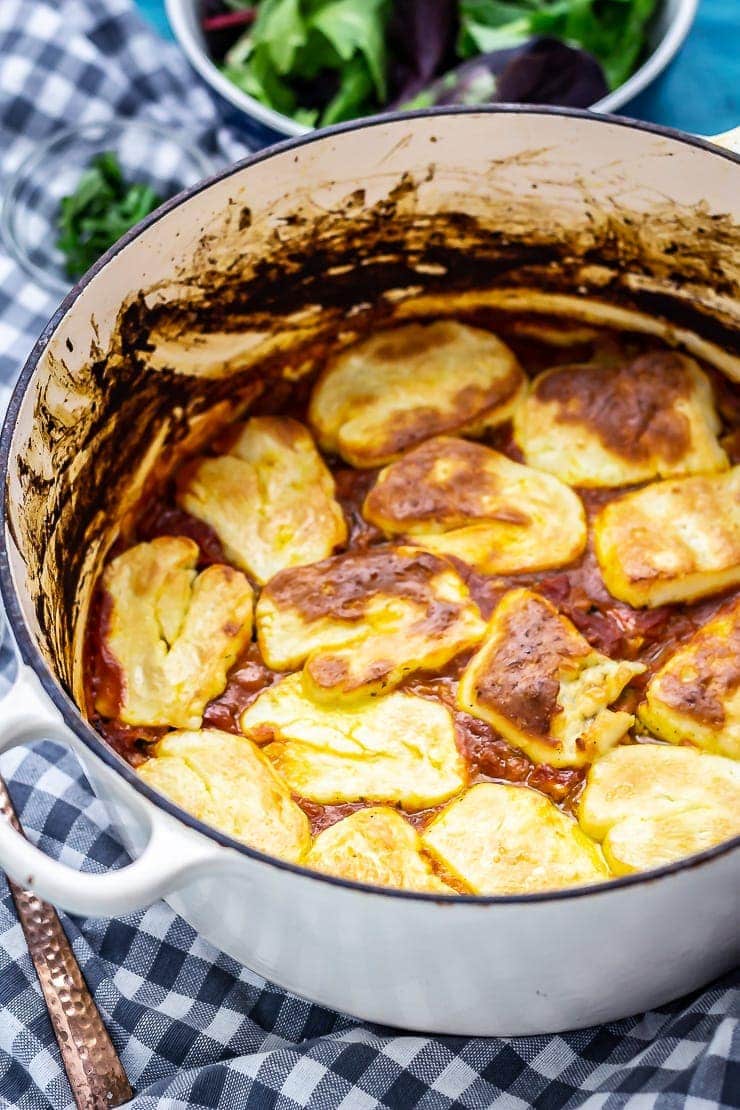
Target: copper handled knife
{"points": [[93, 1068]]}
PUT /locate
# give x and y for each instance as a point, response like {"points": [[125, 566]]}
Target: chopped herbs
{"points": [[102, 208], [323, 61]]}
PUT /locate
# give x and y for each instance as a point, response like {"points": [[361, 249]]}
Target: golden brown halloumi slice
{"points": [[364, 620], [539, 683], [640, 843], [672, 541], [650, 780], [596, 425], [399, 748], [654, 803], [503, 839], [401, 386], [459, 498], [696, 695], [227, 782], [270, 500], [172, 633], [378, 846]]}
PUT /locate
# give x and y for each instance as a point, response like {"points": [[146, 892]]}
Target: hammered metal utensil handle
{"points": [[95, 1073]]}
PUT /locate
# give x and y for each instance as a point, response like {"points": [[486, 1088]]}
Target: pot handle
{"points": [[171, 856], [730, 140]]}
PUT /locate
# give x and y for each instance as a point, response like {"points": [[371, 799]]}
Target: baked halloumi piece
{"points": [[596, 425], [503, 839], [640, 843], [696, 695], [671, 541], [459, 498], [171, 633], [401, 386], [227, 782], [270, 500], [364, 620], [654, 803], [378, 846], [650, 780], [399, 748], [539, 683]]}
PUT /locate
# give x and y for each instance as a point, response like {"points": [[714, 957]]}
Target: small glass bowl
{"points": [[147, 152]]}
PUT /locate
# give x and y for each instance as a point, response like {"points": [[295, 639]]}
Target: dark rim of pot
{"points": [[31, 655]]}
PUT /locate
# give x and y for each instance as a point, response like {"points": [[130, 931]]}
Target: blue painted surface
{"points": [[700, 92], [154, 11]]}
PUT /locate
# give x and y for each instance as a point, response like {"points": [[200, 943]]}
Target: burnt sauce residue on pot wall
{"points": [[180, 363]]}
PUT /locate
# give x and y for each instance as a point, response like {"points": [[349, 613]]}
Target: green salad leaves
{"points": [[323, 61], [612, 30], [102, 208], [299, 52]]}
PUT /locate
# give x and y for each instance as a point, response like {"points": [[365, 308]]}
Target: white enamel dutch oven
{"points": [[552, 211]]}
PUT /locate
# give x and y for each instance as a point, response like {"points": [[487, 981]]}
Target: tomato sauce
{"points": [[247, 679], [158, 516]]}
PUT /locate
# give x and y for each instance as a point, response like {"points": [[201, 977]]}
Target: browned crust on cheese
{"points": [[328, 672], [520, 678], [341, 587], [404, 342], [471, 403], [630, 407], [410, 491], [635, 534], [715, 676]]}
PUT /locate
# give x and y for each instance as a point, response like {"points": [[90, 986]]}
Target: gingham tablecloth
{"points": [[194, 1029]]}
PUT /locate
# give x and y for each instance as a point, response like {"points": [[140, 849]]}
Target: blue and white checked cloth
{"points": [[192, 1027]]}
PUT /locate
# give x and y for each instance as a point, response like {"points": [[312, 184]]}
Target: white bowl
{"points": [[666, 34]]}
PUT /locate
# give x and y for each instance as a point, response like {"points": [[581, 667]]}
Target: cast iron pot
{"points": [[239, 286]]}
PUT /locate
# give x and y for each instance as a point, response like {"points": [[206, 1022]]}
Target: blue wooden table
{"points": [[700, 92]]}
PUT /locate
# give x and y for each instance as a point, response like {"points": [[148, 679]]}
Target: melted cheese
{"points": [[672, 541], [399, 748], [696, 695], [397, 388], [600, 425], [641, 843], [364, 620], [376, 846], [539, 683], [502, 839], [172, 633], [459, 498], [655, 780], [270, 500], [227, 782]]}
